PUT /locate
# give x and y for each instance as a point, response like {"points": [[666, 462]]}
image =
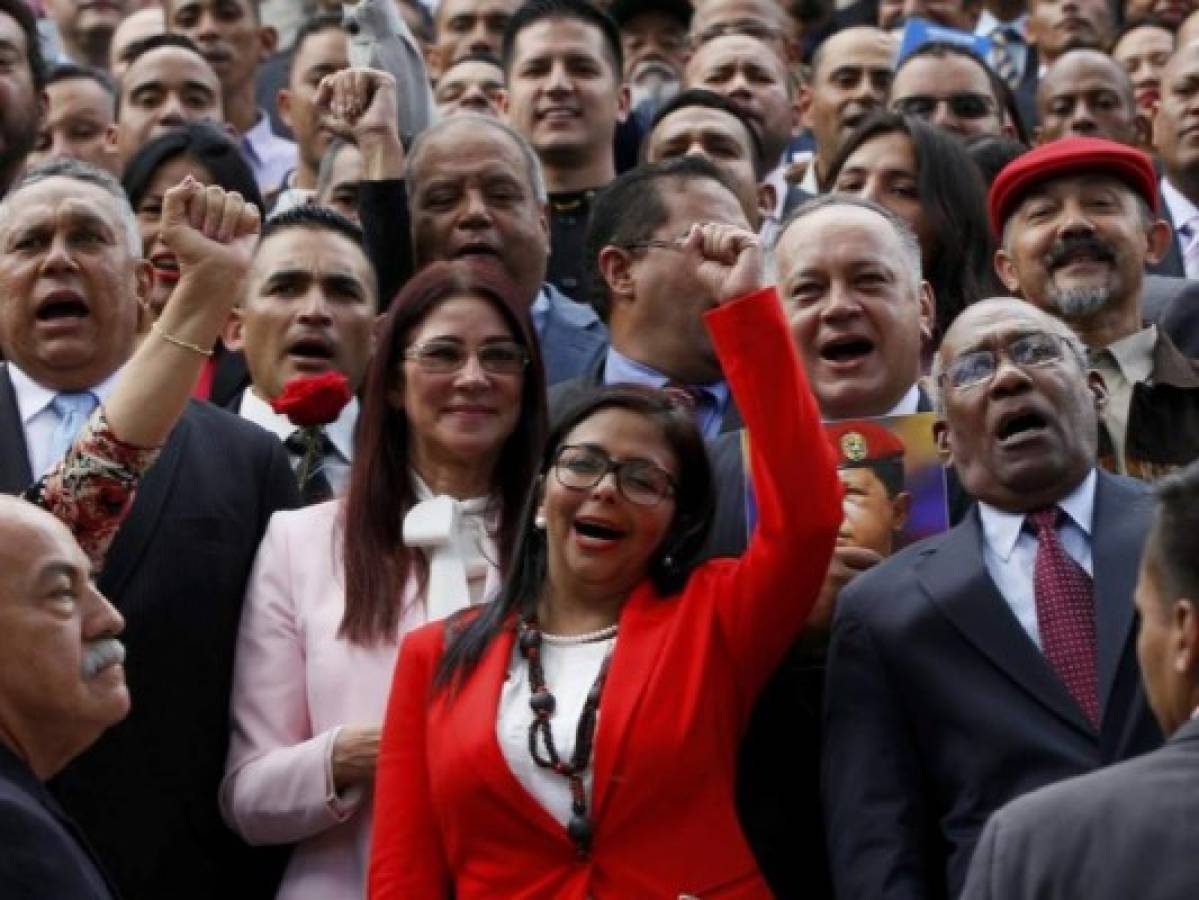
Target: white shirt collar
{"points": [[1181, 209], [340, 432], [33, 397], [909, 403], [1134, 354], [1002, 529]]}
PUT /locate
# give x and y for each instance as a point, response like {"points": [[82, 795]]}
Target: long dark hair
{"points": [[670, 566], [954, 200], [204, 144], [377, 563]]}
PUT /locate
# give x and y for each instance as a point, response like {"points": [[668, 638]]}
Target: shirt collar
{"points": [[33, 398], [619, 369], [1134, 354], [1181, 209], [988, 23], [777, 179], [909, 403], [340, 432], [1001, 528]]}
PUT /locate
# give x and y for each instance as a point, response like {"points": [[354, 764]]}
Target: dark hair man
{"points": [[475, 83], [72, 285], [464, 27], [996, 658], [167, 84], [1078, 221], [1129, 830], [1180, 157], [85, 29], [950, 87], [232, 37], [1143, 47], [641, 249], [82, 108], [308, 306], [22, 104], [566, 96]]}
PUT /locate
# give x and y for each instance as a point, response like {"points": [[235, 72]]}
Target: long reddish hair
{"points": [[377, 564]]}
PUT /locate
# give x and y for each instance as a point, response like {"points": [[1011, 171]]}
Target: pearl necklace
{"points": [[573, 640]]}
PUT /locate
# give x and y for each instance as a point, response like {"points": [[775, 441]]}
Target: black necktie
{"points": [[316, 489]]}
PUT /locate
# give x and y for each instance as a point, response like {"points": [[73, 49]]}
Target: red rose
{"points": [[313, 399]]}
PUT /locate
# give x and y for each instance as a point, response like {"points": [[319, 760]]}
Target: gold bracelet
{"points": [[178, 342]]}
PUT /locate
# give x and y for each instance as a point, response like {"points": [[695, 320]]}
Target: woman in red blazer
{"points": [[578, 738]]}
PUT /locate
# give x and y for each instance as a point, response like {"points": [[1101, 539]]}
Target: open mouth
{"points": [[312, 349], [166, 267], [558, 114], [476, 249], [846, 349], [63, 306], [599, 531], [1020, 426]]}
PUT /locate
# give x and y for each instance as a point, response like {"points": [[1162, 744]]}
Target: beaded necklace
{"points": [[580, 828]]}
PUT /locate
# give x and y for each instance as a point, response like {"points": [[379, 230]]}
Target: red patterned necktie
{"points": [[1065, 613]]}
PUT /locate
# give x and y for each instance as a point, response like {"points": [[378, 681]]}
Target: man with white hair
{"points": [[72, 286]]}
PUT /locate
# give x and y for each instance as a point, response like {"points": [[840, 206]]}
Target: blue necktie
{"points": [[73, 409]]}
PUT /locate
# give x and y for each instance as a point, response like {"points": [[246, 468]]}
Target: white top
{"points": [[38, 416], [908, 404], [341, 434], [1010, 552], [570, 671]]}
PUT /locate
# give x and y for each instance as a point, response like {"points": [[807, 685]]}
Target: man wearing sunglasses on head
{"points": [[1078, 220], [953, 89], [996, 658]]}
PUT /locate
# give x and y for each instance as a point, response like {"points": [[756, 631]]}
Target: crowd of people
{"points": [[443, 449]]}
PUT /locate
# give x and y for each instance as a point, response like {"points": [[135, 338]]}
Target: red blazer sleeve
{"points": [[407, 858], [763, 599]]}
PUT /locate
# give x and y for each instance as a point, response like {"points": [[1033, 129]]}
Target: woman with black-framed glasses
{"points": [[578, 737], [452, 421]]}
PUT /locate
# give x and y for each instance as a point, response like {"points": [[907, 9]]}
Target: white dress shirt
{"points": [[1010, 552], [908, 404], [39, 418], [341, 435], [1183, 212], [270, 156]]}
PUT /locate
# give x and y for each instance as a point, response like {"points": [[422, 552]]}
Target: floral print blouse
{"points": [[92, 489]]}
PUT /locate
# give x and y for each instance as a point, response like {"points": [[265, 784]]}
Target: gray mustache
{"points": [[100, 654]]}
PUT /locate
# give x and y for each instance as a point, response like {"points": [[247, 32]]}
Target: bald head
{"points": [[62, 681], [1086, 93]]}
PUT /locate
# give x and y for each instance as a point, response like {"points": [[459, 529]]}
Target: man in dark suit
{"points": [[983, 663], [408, 224], [1180, 183], [654, 305], [145, 793], [860, 342], [1129, 830], [61, 685]]}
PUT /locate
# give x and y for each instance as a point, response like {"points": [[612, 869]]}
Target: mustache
{"points": [[1059, 254], [101, 653]]}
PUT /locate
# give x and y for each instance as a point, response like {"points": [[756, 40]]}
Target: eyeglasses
{"points": [[580, 468], [976, 367], [963, 105], [443, 357], [660, 243]]}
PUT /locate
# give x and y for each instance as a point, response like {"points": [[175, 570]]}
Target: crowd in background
{"points": [[444, 449]]}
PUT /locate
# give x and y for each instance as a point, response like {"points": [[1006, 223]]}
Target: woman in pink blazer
{"points": [[578, 738], [451, 424]]}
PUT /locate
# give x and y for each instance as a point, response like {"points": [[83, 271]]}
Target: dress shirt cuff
{"points": [[341, 803]]}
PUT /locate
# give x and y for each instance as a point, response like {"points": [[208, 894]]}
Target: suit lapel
{"points": [[954, 575], [1172, 263], [142, 522], [1120, 523], [643, 625], [15, 476]]}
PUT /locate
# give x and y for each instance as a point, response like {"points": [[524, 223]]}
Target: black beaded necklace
{"points": [[580, 827]]}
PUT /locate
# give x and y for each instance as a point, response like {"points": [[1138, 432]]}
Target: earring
{"points": [[539, 521], [668, 562]]}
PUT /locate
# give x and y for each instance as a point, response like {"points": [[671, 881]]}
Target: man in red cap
{"points": [[1078, 220], [870, 465]]}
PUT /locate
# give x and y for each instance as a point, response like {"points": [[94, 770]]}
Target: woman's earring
{"points": [[539, 521]]}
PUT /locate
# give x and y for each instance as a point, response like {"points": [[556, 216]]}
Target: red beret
{"points": [[1069, 156], [860, 442]]}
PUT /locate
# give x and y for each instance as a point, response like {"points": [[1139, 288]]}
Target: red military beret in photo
{"points": [[1069, 156], [860, 442]]}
